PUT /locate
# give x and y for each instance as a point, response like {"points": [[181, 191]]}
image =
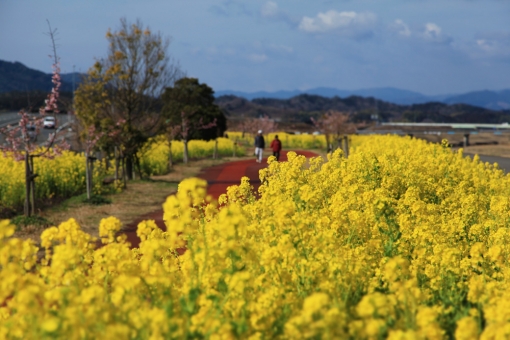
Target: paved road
{"points": [[12, 118], [503, 162], [7, 118]]}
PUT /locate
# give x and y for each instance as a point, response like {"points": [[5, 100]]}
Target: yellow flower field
{"points": [[289, 141], [154, 157], [64, 175], [402, 240]]}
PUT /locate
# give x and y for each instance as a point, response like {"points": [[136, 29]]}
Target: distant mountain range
{"points": [[16, 77], [304, 107], [493, 100]]}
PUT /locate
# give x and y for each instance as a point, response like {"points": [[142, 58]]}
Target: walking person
{"points": [[259, 146], [276, 145]]}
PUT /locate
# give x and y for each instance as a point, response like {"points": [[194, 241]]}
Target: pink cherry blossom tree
{"points": [[20, 141], [252, 125], [335, 125]]}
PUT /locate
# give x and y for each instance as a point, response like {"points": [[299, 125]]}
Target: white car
{"points": [[49, 122]]}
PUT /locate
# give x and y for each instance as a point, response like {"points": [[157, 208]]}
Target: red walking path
{"points": [[218, 178]]}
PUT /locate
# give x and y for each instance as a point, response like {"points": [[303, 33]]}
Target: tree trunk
{"points": [[117, 159], [91, 175], [124, 174], [87, 174], [107, 162], [128, 162], [346, 144], [215, 153], [185, 152], [32, 184], [328, 144], [138, 167], [106, 156], [170, 156], [27, 186]]}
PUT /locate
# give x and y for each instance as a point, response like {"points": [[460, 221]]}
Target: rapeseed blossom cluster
{"points": [[64, 175], [155, 154], [402, 240], [61, 176], [289, 141]]}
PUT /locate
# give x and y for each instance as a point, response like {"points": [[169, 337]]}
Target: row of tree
{"points": [[137, 92], [142, 92], [335, 125]]}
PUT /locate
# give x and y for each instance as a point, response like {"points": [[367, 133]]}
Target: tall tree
{"points": [[190, 106], [127, 85], [197, 101]]}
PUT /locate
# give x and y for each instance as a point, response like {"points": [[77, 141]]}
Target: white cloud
{"points": [[401, 28], [257, 58], [347, 23], [434, 33], [430, 32], [485, 45], [496, 45], [270, 9]]}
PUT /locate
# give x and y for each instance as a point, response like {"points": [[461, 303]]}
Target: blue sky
{"points": [[429, 46]]}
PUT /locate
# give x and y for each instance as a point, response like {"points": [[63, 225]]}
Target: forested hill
{"points": [[16, 77], [301, 108], [22, 87]]}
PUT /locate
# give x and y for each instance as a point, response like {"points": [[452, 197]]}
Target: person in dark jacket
{"points": [[276, 145], [259, 146]]}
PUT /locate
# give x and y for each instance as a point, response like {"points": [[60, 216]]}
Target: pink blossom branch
{"points": [[17, 139], [252, 125], [93, 135]]}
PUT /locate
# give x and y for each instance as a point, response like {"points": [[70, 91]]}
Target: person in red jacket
{"points": [[276, 145]]}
